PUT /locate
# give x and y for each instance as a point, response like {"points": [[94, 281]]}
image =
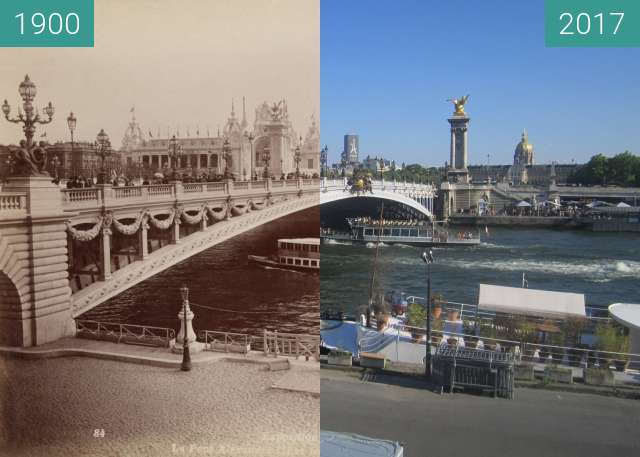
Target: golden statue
{"points": [[459, 104]]}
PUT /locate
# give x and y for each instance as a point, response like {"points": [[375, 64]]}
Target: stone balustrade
{"points": [[108, 196], [13, 202]]}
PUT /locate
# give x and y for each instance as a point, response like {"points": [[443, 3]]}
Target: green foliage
{"points": [[572, 328], [621, 170], [416, 173], [416, 315], [488, 331], [611, 338]]}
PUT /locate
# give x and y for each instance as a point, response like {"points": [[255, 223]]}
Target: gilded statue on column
{"points": [[459, 105]]}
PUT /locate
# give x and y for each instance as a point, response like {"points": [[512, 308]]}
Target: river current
{"points": [[603, 266], [246, 298]]}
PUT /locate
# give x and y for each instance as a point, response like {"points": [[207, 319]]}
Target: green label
{"points": [[592, 23], [46, 23]]}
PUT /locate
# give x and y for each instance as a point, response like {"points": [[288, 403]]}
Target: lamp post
{"points": [[226, 153], [297, 157], [266, 158], [55, 163], [323, 161], [427, 258], [250, 137], [175, 151], [186, 356], [71, 123], [32, 161], [103, 148]]}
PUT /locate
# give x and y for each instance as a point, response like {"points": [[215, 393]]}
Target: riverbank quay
{"points": [[517, 221], [536, 422], [75, 397]]}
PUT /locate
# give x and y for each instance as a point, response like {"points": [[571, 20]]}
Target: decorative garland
{"points": [[85, 235], [217, 215], [195, 219], [239, 210], [162, 224], [129, 229]]}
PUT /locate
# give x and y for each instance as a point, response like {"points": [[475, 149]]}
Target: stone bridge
{"points": [[63, 252], [418, 197]]}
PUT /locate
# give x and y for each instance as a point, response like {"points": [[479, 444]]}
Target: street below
{"points": [[536, 423]]}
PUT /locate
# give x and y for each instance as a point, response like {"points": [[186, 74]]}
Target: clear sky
{"points": [[387, 68], [180, 62]]}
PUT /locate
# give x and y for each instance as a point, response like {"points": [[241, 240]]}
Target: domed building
{"points": [[524, 151], [522, 160]]}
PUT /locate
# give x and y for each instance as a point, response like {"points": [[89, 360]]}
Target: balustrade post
{"points": [[105, 254], [265, 346], [105, 193], [228, 186], [275, 338]]}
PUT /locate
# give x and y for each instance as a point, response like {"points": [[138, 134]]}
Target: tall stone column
{"points": [[458, 171]]}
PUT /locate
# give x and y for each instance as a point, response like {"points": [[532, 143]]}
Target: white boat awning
{"points": [[530, 302]]}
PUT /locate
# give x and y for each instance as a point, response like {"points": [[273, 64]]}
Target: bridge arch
{"points": [[331, 196]]}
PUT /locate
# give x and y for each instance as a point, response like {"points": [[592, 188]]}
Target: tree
{"points": [[416, 315]]}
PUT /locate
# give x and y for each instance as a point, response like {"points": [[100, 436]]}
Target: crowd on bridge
{"points": [[78, 182]]}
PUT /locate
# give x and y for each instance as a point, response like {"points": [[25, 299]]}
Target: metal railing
{"points": [[225, 341], [124, 333], [290, 344], [529, 352]]}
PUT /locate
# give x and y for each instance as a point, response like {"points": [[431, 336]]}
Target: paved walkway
{"points": [[301, 375], [85, 406]]}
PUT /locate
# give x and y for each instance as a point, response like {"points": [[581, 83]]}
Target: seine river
{"points": [[248, 298], [605, 267]]}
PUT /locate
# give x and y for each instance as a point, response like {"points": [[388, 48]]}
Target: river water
{"points": [[603, 266], [247, 298]]}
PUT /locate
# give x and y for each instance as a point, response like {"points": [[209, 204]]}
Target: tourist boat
{"points": [[301, 254], [409, 232]]}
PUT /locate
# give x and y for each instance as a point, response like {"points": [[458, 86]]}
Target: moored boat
{"points": [[302, 254], [413, 233]]}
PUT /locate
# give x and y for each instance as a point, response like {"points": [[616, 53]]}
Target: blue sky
{"points": [[387, 68]]}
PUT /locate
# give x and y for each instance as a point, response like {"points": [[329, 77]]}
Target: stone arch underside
{"points": [[335, 196], [160, 260]]}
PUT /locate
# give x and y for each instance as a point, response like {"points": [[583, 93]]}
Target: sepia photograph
{"points": [[159, 215]]}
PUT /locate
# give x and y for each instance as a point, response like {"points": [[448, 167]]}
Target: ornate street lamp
{"points": [[71, 123], [175, 151], [266, 158], [103, 149], [323, 161], [228, 159], [250, 137], [297, 157], [427, 258], [186, 356], [30, 160], [343, 162]]}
